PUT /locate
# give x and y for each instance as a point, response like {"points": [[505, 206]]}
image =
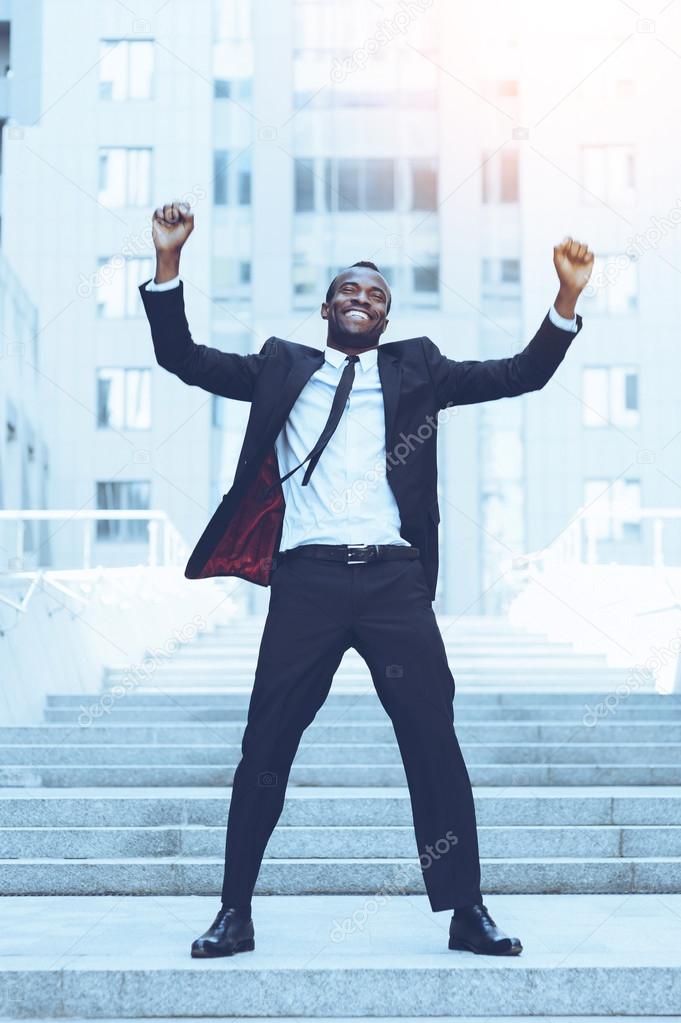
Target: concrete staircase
{"points": [[112, 823]]}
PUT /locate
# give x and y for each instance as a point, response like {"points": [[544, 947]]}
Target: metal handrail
{"points": [[568, 543], [170, 551]]}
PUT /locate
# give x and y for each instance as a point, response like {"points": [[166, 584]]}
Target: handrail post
{"points": [[591, 547], [87, 543], [153, 542], [658, 546], [167, 542], [20, 542]]}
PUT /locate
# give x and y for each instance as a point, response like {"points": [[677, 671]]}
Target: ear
{"points": [[324, 311], [385, 324]]}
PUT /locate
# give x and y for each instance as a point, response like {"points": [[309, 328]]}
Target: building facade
{"points": [[308, 134]]}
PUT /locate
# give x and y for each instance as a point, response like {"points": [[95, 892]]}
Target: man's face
{"points": [[357, 312]]}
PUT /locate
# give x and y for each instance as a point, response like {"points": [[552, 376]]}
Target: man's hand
{"points": [[573, 262], [171, 225]]}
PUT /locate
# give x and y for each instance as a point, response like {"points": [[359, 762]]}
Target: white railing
{"points": [[165, 545], [61, 629], [578, 543], [574, 590]]}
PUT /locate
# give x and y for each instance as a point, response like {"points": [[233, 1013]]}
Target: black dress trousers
{"points": [[317, 610]]}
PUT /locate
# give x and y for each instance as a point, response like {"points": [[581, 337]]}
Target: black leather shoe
{"points": [[230, 932], [473, 930]]}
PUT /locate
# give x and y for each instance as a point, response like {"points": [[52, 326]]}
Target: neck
{"points": [[348, 349]]}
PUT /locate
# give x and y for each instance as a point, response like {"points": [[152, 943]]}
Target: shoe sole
{"points": [[242, 946], [462, 946]]}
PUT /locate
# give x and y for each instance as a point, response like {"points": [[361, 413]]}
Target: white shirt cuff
{"points": [[166, 286], [562, 321]]}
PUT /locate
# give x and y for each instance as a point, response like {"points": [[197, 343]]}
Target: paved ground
{"points": [[130, 956]]}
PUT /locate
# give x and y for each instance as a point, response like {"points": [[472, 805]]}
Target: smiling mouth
{"points": [[358, 315]]}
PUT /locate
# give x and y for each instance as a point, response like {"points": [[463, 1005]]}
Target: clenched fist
{"points": [[171, 225], [573, 262]]}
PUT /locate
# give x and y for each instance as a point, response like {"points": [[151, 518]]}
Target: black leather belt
{"points": [[350, 553]]}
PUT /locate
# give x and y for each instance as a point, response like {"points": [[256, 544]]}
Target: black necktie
{"points": [[337, 407]]}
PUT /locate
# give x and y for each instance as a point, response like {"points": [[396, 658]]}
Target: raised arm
{"points": [[470, 381], [223, 373]]}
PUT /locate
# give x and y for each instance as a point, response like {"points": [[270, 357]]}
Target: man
{"points": [[334, 504]]}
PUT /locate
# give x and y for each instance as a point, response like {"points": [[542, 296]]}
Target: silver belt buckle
{"points": [[355, 549]]}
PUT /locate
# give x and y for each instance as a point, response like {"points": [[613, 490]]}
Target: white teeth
{"points": [[357, 314]]}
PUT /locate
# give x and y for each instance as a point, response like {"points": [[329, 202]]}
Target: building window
{"points": [[509, 271], [350, 185], [124, 177], [243, 178], [231, 278], [500, 176], [118, 283], [216, 411], [613, 287], [423, 184], [124, 398], [240, 90], [610, 396], [425, 278], [305, 287], [220, 177], [360, 184], [608, 175], [304, 186], [615, 507], [231, 178], [126, 69], [123, 495], [11, 423], [508, 185], [501, 278]]}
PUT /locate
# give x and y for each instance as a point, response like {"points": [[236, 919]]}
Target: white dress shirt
{"points": [[348, 498]]}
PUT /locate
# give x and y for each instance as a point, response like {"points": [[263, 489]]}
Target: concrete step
{"points": [[336, 807], [364, 699], [344, 842], [509, 674], [166, 710], [351, 754], [227, 680], [111, 776], [245, 656], [400, 1019], [453, 626], [473, 625], [384, 957], [88, 728], [314, 876], [210, 641]]}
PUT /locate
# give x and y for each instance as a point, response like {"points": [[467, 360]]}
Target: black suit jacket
{"points": [[242, 538]]}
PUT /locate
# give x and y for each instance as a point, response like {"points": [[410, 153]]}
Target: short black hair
{"points": [[362, 262]]}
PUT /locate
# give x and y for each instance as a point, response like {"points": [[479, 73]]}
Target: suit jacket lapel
{"points": [[390, 372], [297, 377]]}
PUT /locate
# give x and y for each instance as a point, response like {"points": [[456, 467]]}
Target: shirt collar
{"points": [[367, 360]]}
